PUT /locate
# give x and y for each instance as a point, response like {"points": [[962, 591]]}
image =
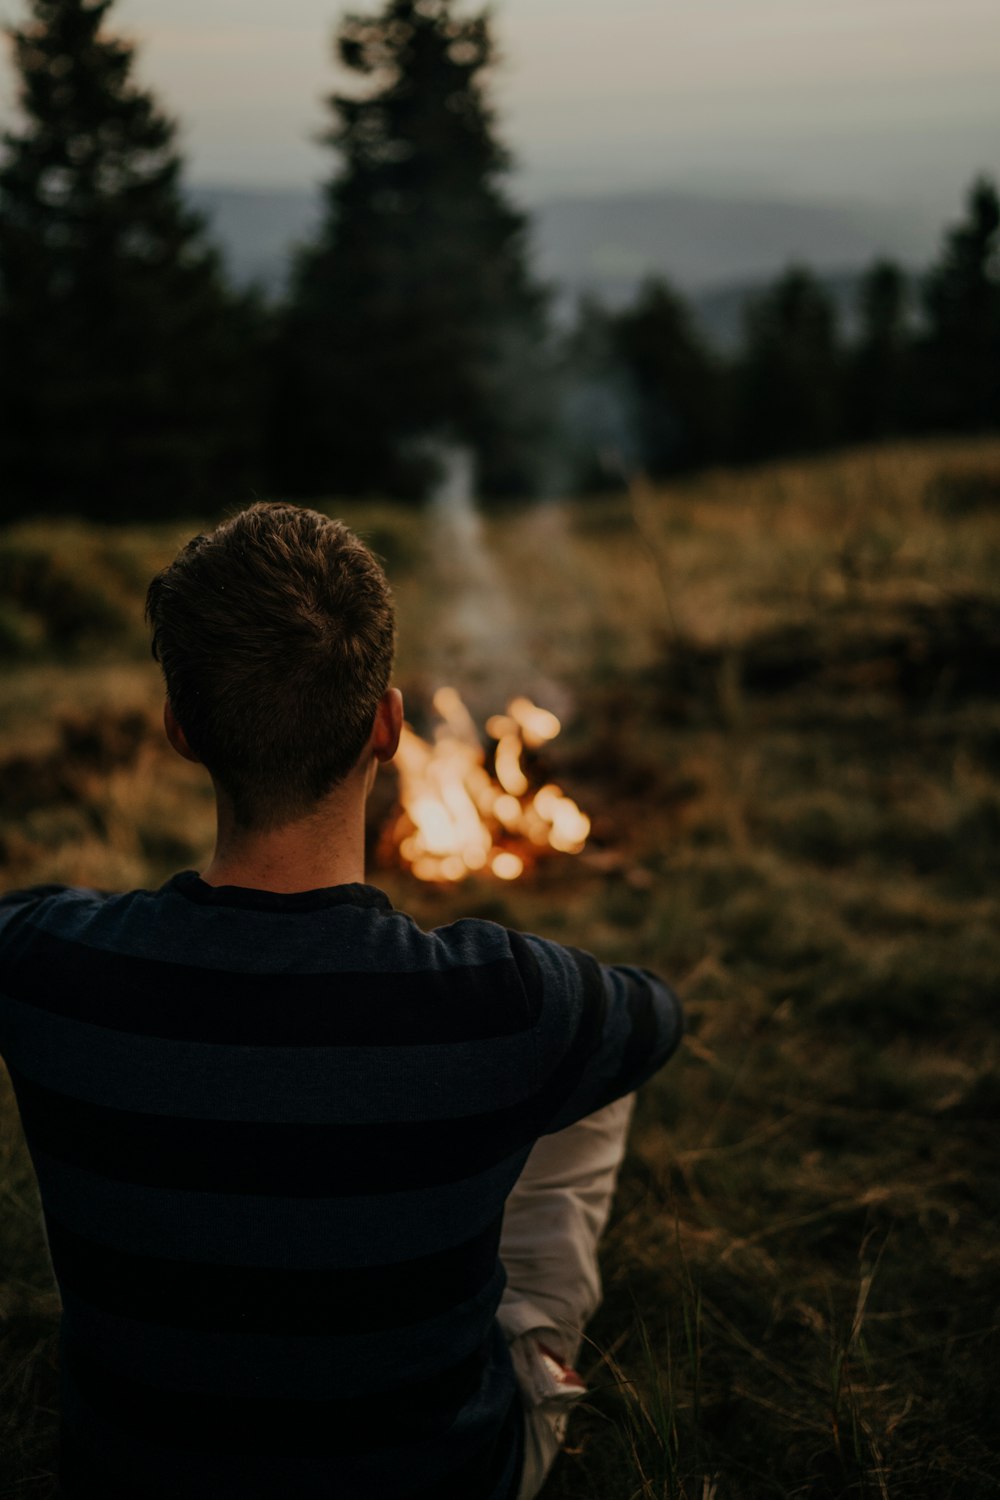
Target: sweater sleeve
{"points": [[15, 908], [601, 1030]]}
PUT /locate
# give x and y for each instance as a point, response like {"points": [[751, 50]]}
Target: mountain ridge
{"points": [[714, 249]]}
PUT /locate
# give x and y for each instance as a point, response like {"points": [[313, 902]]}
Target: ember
{"points": [[459, 818]]}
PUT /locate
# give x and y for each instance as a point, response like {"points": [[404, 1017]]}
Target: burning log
{"points": [[459, 817]]}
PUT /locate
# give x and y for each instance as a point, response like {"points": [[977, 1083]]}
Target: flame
{"points": [[458, 818]]}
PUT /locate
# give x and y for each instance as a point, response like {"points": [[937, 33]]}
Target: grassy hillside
{"points": [[783, 713]]}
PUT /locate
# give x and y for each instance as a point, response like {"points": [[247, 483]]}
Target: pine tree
{"points": [[879, 375], [414, 316], [961, 354], [676, 381], [123, 359], [789, 377]]}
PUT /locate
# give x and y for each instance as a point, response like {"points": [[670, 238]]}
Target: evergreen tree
{"points": [[788, 380], [414, 316], [676, 381], [123, 360], [961, 354], [880, 377]]}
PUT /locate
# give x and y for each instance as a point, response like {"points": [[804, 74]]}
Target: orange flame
{"points": [[458, 818]]}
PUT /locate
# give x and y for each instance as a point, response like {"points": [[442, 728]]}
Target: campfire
{"points": [[463, 813]]}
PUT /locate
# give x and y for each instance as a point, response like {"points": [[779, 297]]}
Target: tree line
{"points": [[922, 356], [136, 381]]}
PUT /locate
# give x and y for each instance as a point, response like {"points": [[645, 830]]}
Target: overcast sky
{"points": [[896, 100]]}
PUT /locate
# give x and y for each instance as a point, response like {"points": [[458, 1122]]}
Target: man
{"points": [[285, 1140]]}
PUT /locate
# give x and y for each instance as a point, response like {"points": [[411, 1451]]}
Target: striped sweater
{"points": [[273, 1136]]}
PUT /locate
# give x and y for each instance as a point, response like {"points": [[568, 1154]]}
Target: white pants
{"points": [[552, 1224]]}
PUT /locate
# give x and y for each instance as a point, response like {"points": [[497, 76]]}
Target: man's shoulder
{"points": [[32, 895], [185, 922], [470, 940], [35, 903]]}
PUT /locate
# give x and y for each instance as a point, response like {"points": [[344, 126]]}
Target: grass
{"points": [[785, 720]]}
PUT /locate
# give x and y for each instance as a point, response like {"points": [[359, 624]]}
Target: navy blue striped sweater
{"points": [[273, 1137]]}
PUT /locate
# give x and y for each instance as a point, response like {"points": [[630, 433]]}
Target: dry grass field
{"points": [[781, 693]]}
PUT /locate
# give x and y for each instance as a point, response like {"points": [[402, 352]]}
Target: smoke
{"points": [[575, 417], [477, 628], [478, 639], [601, 429]]}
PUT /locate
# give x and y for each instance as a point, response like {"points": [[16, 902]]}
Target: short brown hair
{"points": [[275, 633]]}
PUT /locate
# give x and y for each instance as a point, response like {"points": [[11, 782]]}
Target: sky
{"points": [[894, 101]]}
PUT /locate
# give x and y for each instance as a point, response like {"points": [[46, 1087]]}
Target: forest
{"points": [[135, 380]]}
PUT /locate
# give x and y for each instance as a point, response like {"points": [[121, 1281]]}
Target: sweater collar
{"points": [[190, 885]]}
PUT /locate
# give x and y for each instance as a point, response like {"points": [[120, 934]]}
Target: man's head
{"points": [[275, 633]]}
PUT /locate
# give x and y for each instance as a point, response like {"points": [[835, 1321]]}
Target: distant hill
{"points": [[714, 249], [703, 243], [258, 228]]}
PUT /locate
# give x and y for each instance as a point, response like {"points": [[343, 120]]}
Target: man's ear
{"points": [[176, 735], [388, 725]]}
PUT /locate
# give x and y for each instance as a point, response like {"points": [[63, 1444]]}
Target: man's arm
{"points": [[16, 908], [31, 893], [17, 904], [602, 1030]]}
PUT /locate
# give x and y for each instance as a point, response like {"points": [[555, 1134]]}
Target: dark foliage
{"points": [[134, 382], [677, 381], [413, 319], [960, 356], [640, 390], [788, 377], [646, 393], [125, 383], [880, 375]]}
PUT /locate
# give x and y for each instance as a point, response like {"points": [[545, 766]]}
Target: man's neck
{"points": [[324, 849]]}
